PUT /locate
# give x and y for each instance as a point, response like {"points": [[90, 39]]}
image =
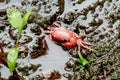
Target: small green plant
{"points": [[81, 60], [16, 20], [11, 59]]}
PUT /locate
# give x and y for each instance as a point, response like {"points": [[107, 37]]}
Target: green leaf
{"points": [[12, 58], [15, 18], [26, 16], [81, 60]]}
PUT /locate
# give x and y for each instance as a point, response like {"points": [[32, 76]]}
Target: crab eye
{"points": [[65, 40]]}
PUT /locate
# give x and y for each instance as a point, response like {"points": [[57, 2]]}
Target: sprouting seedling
{"points": [[16, 20], [82, 60], [12, 58]]}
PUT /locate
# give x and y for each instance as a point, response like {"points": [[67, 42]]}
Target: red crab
{"points": [[66, 38]]}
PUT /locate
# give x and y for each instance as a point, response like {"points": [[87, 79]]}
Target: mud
{"points": [[100, 19]]}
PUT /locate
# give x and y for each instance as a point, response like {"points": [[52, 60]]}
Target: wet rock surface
{"points": [[99, 18]]}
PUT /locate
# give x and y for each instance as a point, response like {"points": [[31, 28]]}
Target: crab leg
{"points": [[86, 47], [79, 43], [57, 24], [83, 36], [86, 43], [79, 47], [47, 32]]}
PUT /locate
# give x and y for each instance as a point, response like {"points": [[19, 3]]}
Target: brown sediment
{"points": [[99, 19]]}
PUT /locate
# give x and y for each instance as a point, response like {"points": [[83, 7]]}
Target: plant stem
{"points": [[18, 37], [81, 60]]}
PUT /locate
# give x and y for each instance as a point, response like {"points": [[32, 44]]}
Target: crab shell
{"points": [[64, 36]]}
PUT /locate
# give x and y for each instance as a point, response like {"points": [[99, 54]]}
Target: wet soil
{"points": [[38, 54]]}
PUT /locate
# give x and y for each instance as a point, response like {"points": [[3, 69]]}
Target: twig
{"points": [[2, 56]]}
